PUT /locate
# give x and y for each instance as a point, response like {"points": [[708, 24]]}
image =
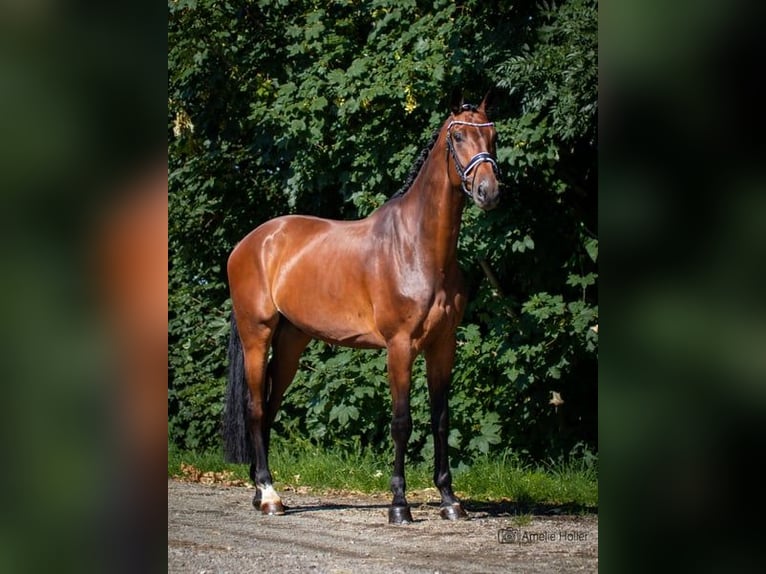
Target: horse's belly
{"points": [[338, 330], [334, 317]]}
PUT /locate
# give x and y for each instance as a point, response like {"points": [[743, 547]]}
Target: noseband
{"points": [[479, 158]]}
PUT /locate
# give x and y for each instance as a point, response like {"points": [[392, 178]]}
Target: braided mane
{"points": [[417, 165]]}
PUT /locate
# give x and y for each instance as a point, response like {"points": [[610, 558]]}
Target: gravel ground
{"points": [[214, 528]]}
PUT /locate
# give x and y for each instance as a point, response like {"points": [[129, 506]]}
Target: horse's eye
{"points": [[458, 136]]}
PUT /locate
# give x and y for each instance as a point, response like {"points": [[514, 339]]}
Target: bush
{"points": [[321, 108]]}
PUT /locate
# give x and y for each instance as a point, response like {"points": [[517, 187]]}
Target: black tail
{"points": [[237, 445]]}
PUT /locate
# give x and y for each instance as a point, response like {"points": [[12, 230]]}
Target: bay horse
{"points": [[390, 280]]}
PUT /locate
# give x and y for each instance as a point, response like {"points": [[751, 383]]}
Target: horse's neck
{"points": [[432, 209]]}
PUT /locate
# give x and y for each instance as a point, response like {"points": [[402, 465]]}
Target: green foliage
{"points": [[340, 396], [200, 337], [322, 107]]}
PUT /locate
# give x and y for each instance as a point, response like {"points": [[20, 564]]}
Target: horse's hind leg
{"points": [[257, 319], [256, 337], [287, 345]]}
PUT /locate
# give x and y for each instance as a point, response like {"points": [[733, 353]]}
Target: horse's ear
{"points": [[456, 101], [486, 103]]}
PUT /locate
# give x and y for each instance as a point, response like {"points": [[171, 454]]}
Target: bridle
{"points": [[479, 158]]}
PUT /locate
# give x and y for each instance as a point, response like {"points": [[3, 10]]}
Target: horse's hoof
{"points": [[272, 508], [399, 515], [453, 512]]}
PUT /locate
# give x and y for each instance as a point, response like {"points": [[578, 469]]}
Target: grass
{"points": [[572, 483], [561, 483]]}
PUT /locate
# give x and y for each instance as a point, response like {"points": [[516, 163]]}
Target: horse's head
{"points": [[471, 141]]}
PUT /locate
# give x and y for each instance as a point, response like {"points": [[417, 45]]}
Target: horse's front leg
{"points": [[439, 361], [400, 359]]}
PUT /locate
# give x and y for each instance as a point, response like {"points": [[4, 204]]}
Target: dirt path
{"points": [[214, 529]]}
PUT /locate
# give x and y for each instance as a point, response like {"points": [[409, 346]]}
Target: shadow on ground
{"points": [[481, 507], [509, 508]]}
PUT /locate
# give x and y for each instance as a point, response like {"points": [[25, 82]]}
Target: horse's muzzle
{"points": [[486, 193]]}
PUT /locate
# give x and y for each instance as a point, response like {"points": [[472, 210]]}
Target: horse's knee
{"points": [[401, 427]]}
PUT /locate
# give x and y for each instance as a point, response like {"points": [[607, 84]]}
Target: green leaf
{"points": [[454, 438], [591, 246]]}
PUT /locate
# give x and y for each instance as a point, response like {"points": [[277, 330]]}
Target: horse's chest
{"points": [[442, 314]]}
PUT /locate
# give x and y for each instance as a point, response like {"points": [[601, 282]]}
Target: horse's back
{"points": [[283, 240]]}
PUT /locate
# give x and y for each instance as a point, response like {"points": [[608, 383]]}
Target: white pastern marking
{"points": [[268, 494]]}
